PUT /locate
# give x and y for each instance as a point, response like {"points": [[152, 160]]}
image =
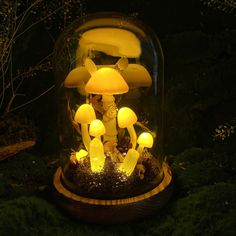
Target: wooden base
{"points": [[113, 211]]}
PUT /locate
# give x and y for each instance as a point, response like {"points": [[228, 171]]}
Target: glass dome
{"points": [[109, 72]]}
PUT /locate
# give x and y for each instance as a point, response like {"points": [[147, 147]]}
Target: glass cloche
{"points": [[109, 75]]}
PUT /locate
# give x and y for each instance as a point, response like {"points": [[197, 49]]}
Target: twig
{"points": [[32, 100]]}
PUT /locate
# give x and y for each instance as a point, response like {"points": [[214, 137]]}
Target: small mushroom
{"points": [[145, 139], [141, 171], [126, 119], [84, 115], [81, 154], [97, 129], [130, 162], [96, 154], [96, 149]]}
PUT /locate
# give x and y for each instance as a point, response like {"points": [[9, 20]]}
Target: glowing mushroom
{"points": [[107, 82], [96, 149], [97, 129], [135, 75], [84, 115], [145, 139], [96, 154], [81, 154], [77, 78], [130, 162], [126, 119]]}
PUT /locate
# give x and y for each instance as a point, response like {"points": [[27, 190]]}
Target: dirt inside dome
{"points": [[110, 183]]}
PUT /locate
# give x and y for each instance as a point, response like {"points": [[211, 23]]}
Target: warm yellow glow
{"points": [[126, 118], [122, 63], [90, 66], [109, 118], [130, 162], [106, 81], [96, 128], [84, 115], [145, 139], [135, 76], [112, 41], [81, 154], [97, 156], [77, 78]]}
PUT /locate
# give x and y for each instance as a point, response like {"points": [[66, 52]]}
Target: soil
{"points": [[110, 183]]}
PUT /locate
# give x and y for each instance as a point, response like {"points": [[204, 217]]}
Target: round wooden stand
{"points": [[117, 210]]}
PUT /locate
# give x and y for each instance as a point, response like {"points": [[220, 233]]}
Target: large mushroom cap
{"points": [[126, 117], [106, 81], [85, 114], [76, 78], [112, 41], [135, 76], [96, 128], [145, 139]]}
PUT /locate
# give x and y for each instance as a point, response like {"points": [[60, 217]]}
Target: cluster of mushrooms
{"points": [[99, 118]]}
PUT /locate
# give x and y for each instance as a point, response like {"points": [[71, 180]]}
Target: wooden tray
{"points": [[115, 211]]}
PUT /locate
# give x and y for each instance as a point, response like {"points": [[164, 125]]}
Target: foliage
{"points": [[201, 213], [196, 167], [17, 215], [225, 131], [19, 20], [228, 6]]}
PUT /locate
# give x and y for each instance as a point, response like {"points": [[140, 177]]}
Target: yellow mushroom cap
{"points": [[145, 139], [85, 114], [77, 77], [96, 128], [135, 76], [106, 81], [126, 117]]}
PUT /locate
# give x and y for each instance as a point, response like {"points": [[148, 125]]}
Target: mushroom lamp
{"points": [[145, 139], [110, 85]]}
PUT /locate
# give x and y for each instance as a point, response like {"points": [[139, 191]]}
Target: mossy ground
{"points": [[204, 201]]}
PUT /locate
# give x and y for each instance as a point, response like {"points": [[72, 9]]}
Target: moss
{"points": [[29, 216], [210, 211], [205, 212], [196, 167], [25, 174]]}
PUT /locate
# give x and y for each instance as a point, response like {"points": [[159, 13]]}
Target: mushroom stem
{"points": [[140, 149], [109, 118], [133, 136], [130, 162], [85, 135], [97, 156]]}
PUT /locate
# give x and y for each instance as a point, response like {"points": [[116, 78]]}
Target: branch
{"points": [[32, 100]]}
